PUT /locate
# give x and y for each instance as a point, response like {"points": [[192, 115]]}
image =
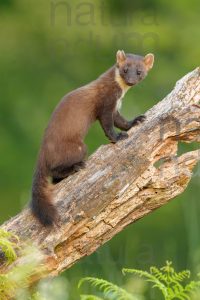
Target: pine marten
{"points": [[63, 149]]}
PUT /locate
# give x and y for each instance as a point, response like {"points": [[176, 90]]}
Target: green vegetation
{"points": [[166, 280], [45, 53], [109, 289], [8, 244], [14, 283]]}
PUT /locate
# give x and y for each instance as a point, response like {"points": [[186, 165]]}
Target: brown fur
{"points": [[63, 149]]}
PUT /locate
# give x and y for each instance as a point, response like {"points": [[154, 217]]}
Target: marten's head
{"points": [[133, 68]]}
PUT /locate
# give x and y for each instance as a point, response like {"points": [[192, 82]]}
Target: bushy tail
{"points": [[41, 203]]}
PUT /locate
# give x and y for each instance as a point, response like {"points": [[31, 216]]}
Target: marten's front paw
{"points": [[122, 136], [138, 120]]}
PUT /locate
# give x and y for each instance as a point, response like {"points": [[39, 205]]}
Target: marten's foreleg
{"points": [[120, 122], [123, 124], [107, 123]]}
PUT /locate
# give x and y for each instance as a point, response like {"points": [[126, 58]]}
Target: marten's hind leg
{"points": [[73, 162], [61, 172]]}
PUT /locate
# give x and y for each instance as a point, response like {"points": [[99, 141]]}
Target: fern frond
{"points": [[108, 288], [168, 281], [177, 293], [158, 274], [192, 286], [150, 278], [181, 275]]}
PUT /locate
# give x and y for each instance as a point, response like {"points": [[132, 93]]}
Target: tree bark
{"points": [[121, 183]]}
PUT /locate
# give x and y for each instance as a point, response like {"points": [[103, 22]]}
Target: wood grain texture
{"points": [[121, 183]]}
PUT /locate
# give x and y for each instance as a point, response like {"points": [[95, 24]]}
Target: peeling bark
{"points": [[120, 184]]}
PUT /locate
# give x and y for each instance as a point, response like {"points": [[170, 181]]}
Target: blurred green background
{"points": [[49, 48]]}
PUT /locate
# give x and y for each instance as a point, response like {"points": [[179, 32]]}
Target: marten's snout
{"points": [[134, 75]]}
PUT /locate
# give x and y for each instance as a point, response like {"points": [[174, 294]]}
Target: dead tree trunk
{"points": [[121, 183]]}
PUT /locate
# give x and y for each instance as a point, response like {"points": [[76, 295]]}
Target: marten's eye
{"points": [[139, 72], [125, 70]]}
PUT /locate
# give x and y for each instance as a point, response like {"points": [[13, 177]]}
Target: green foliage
{"points": [[18, 276], [171, 284], [109, 289], [8, 244], [14, 284]]}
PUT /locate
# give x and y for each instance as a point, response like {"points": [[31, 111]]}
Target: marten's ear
{"points": [[121, 56], [148, 61]]}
